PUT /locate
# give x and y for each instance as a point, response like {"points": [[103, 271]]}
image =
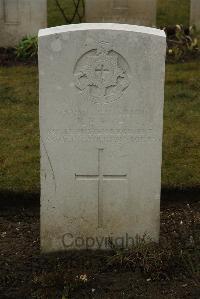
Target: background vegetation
{"points": [[169, 12], [172, 12]]}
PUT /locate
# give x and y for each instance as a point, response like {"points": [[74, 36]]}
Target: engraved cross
{"points": [[102, 72], [100, 177]]}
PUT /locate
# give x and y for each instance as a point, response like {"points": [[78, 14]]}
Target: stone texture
{"points": [[19, 18], [138, 12], [195, 13], [101, 119]]}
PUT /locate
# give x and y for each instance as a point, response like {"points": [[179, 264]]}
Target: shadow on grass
{"points": [[24, 199], [17, 199], [178, 196]]}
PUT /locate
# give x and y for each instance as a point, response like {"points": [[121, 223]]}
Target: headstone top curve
{"points": [[101, 26]]}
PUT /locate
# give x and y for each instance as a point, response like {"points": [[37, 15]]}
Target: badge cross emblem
{"points": [[102, 74]]}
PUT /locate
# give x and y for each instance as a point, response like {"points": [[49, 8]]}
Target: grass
{"points": [[181, 126], [169, 12], [172, 12], [55, 17], [19, 135]]}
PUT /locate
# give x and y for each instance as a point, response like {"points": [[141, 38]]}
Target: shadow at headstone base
{"points": [[28, 200]]}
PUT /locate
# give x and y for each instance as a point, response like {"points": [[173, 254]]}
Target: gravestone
{"points": [[138, 12], [19, 18], [195, 13], [101, 118]]}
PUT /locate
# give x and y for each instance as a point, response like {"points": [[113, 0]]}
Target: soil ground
{"points": [[25, 273], [8, 58]]}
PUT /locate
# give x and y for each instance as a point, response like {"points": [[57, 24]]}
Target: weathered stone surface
{"points": [[195, 13], [101, 118], [138, 12], [19, 18]]}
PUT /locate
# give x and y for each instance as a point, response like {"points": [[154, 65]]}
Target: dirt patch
{"points": [[9, 58], [25, 273]]}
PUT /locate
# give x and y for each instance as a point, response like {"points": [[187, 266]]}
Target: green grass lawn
{"points": [[172, 12], [181, 154], [19, 151], [55, 17], [19, 135], [169, 12]]}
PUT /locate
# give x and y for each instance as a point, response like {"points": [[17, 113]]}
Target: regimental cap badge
{"points": [[101, 74]]}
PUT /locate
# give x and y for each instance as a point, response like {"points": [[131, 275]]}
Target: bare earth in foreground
{"points": [[24, 273]]}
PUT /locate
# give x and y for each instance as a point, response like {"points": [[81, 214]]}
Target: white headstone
{"points": [[20, 18], [138, 12], [101, 119], [195, 14]]}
